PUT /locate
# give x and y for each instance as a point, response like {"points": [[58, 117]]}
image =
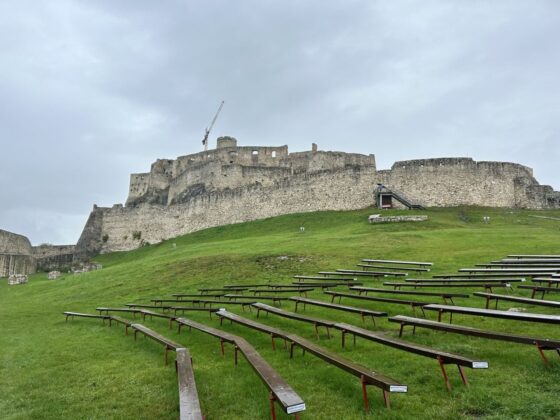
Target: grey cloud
{"points": [[92, 91]]}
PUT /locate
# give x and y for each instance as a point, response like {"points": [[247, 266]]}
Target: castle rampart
{"points": [[233, 184], [15, 254]]}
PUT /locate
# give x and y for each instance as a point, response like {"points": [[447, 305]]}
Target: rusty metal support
{"points": [[364, 392], [444, 372]]}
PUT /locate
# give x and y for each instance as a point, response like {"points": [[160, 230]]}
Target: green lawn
{"points": [[82, 369]]}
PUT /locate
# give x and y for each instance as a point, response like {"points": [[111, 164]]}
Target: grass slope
{"points": [[82, 369]]}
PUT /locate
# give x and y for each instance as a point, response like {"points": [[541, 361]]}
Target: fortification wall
{"points": [[448, 182], [15, 254], [345, 189], [54, 257]]}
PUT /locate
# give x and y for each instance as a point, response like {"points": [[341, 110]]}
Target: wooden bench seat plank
{"points": [[445, 285], [376, 298], [492, 313], [408, 292], [389, 267], [475, 332], [189, 404], [518, 299], [335, 273], [426, 264], [371, 273], [326, 285], [323, 278], [425, 351], [467, 280], [344, 308]]}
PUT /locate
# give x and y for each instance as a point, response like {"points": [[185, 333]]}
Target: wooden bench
{"points": [[541, 343], [280, 390], [141, 306], [71, 315], [327, 285], [367, 377], [528, 256], [238, 289], [474, 276], [300, 290], [388, 267], [539, 302], [467, 281], [362, 311], [525, 272], [540, 289], [274, 299], [128, 310], [486, 286], [519, 266], [416, 263], [184, 309], [209, 303], [550, 280], [169, 344], [374, 273], [412, 303], [360, 273], [200, 295], [341, 279], [189, 404], [287, 314], [443, 295], [492, 313], [442, 357]]}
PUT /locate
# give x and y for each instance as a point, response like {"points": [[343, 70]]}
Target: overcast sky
{"points": [[92, 91]]}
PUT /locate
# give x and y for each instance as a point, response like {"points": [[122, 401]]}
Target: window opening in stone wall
{"points": [[255, 152], [273, 154]]}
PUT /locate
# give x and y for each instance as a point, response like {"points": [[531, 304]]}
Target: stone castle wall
{"points": [[54, 257], [345, 189], [449, 182], [15, 254], [234, 184]]}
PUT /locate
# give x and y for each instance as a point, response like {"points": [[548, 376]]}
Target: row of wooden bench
{"points": [[189, 404], [280, 391]]}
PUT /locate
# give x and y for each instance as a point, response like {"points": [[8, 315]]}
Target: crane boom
{"points": [[207, 131]]}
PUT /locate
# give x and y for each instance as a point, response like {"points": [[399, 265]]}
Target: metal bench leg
{"points": [[386, 399], [295, 309], [328, 333], [222, 346], [414, 330], [401, 329], [444, 372], [343, 336], [292, 344], [463, 375], [165, 355], [373, 319], [272, 399], [236, 350], [126, 330], [545, 360], [316, 331], [273, 343], [364, 392]]}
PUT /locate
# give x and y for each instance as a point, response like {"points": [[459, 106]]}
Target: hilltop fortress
{"points": [[233, 184]]}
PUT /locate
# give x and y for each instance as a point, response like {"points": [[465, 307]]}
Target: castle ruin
{"points": [[233, 184]]}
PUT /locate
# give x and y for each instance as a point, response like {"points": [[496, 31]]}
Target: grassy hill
{"points": [[82, 369]]}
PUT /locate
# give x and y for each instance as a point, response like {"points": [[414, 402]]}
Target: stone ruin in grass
{"points": [[53, 275], [17, 279]]}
